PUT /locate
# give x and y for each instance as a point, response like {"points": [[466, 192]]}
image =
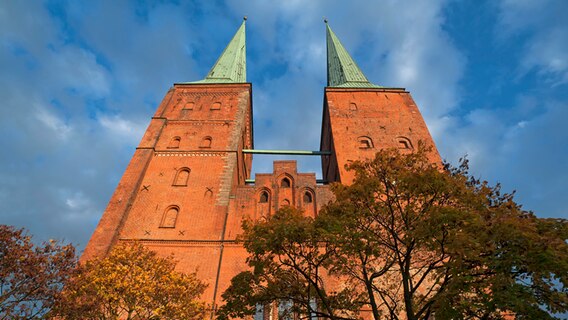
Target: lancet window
{"points": [[181, 178], [169, 218]]}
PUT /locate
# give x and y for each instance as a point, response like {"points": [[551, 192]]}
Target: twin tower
{"points": [[187, 188]]}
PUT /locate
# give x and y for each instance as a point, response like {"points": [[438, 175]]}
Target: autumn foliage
{"points": [[407, 240], [132, 282], [31, 276]]}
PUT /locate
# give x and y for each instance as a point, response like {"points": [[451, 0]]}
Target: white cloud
{"points": [[393, 47], [77, 68], [547, 53], [545, 23], [125, 130], [52, 122], [77, 201], [119, 64], [525, 152], [26, 24]]}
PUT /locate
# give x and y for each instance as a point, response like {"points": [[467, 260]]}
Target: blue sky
{"points": [[80, 80]]}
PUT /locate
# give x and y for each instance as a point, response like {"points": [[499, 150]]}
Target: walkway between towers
{"points": [[287, 153]]}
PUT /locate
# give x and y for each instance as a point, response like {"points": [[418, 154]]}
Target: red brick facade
{"points": [[358, 122], [184, 191]]}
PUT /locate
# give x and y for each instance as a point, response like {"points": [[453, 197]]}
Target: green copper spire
{"points": [[342, 71], [231, 67]]}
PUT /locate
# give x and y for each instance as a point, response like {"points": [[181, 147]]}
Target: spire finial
{"points": [[325, 20], [245, 18]]}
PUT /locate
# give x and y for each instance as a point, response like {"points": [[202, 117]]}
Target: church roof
{"points": [[342, 71], [231, 67]]}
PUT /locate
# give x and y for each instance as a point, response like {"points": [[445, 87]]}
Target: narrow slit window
{"points": [[216, 106]]}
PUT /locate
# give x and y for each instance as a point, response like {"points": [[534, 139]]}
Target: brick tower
{"points": [[360, 118], [174, 195], [187, 187]]}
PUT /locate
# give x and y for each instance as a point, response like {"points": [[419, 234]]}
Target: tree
{"points": [[289, 261], [132, 282], [408, 239], [31, 276]]}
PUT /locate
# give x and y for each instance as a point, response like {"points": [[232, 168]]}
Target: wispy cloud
{"points": [[546, 26], [52, 122], [125, 130], [80, 81]]}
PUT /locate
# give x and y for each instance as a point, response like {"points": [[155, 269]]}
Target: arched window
{"points": [[307, 197], [216, 106], [404, 143], [174, 143], [365, 142], [182, 175], [263, 206], [170, 217], [206, 142], [285, 183], [263, 197], [353, 106], [285, 202]]}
